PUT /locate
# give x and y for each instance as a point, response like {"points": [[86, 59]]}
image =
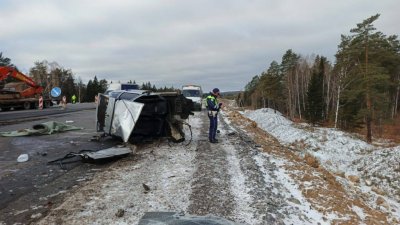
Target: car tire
{"points": [[27, 105]]}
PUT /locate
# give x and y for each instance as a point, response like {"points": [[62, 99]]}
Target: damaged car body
{"points": [[139, 115]]}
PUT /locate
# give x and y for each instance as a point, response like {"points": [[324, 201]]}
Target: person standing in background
{"points": [[213, 108], [73, 99]]}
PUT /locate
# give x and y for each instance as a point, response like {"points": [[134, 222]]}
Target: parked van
{"points": [[118, 86], [194, 93]]}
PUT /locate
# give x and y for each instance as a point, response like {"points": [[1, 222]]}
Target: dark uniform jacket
{"points": [[212, 103]]}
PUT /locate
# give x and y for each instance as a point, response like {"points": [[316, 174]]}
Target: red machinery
{"points": [[17, 94], [6, 71]]}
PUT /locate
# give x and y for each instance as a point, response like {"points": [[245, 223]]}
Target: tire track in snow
{"points": [[256, 196], [211, 181], [236, 181]]}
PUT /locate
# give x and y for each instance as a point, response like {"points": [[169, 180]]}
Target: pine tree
{"points": [[250, 89], [276, 86], [102, 86], [96, 86], [366, 58], [315, 95], [271, 86], [288, 71], [90, 92], [68, 87], [4, 61]]}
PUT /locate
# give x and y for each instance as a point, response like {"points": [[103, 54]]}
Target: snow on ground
{"points": [[169, 174], [293, 193], [121, 190], [239, 189], [335, 149], [297, 209], [341, 152]]}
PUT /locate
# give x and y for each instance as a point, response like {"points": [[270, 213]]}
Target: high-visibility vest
{"points": [[213, 99]]}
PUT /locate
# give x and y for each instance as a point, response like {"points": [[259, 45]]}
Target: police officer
{"points": [[73, 99], [213, 108]]}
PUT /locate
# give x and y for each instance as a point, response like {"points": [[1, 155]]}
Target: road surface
{"points": [[16, 116], [34, 182]]}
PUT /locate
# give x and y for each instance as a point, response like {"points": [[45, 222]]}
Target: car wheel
{"points": [[27, 105]]}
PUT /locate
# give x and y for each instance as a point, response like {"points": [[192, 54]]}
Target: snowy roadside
{"points": [[315, 194], [232, 180], [249, 177], [335, 149], [256, 169], [372, 172], [119, 196]]}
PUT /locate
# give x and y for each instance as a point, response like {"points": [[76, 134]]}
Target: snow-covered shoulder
{"points": [[373, 168]]}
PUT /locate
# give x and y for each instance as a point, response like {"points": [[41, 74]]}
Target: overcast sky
{"points": [[213, 43]]}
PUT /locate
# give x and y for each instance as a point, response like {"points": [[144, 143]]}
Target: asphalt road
{"points": [[15, 116], [34, 187]]}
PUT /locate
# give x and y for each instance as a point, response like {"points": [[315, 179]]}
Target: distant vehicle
{"points": [[118, 86], [194, 93]]}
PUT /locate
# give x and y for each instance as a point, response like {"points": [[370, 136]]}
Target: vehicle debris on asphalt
{"points": [[23, 158], [41, 129], [94, 155]]}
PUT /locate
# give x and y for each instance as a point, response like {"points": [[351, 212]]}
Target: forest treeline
{"points": [[359, 90], [50, 75]]}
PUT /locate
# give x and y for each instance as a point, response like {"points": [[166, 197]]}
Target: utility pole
{"points": [[79, 92]]}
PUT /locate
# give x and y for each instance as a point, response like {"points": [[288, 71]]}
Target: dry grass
{"points": [[311, 160]]}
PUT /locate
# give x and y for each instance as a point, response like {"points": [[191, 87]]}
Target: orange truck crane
{"points": [[24, 94]]}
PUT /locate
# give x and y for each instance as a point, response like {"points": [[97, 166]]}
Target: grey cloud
{"points": [[213, 43]]}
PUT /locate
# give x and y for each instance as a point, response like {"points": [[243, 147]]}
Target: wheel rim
{"points": [[27, 105]]}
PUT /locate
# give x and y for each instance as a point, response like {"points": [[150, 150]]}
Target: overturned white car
{"points": [[139, 115]]}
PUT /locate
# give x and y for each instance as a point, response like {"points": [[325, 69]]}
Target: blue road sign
{"points": [[55, 92]]}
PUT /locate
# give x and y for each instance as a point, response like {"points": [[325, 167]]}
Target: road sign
{"points": [[55, 92]]}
